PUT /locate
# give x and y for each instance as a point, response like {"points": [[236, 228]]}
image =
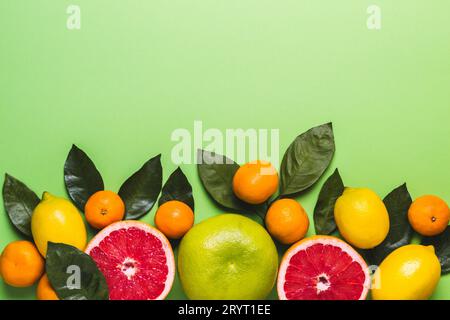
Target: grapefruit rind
{"points": [[325, 240], [147, 228]]}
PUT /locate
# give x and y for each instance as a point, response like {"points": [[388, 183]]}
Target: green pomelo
{"points": [[227, 257]]}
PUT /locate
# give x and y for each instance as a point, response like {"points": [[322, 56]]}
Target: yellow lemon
{"points": [[361, 217], [411, 272], [57, 220]]}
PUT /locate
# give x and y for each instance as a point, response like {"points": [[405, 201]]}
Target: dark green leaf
{"points": [[306, 159], [140, 191], [216, 173], [441, 245], [177, 187], [260, 209], [19, 203], [81, 177], [400, 232], [324, 210], [73, 274]]}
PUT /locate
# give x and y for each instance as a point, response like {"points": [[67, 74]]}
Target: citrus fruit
{"points": [[174, 218], [21, 265], [255, 182], [411, 272], [361, 217], [429, 215], [286, 221], [136, 260], [44, 290], [57, 220], [322, 268], [227, 257], [104, 208]]}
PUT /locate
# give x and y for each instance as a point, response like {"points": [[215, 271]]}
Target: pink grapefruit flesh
{"points": [[136, 260], [322, 268]]}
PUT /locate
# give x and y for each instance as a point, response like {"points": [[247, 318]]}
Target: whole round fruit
{"points": [[429, 215], [361, 217], [322, 268], [136, 260], [21, 265], [227, 257], [44, 290], [287, 221], [410, 272], [255, 182], [174, 218], [103, 208], [57, 220]]}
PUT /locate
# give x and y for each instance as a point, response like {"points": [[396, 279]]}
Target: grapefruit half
{"points": [[322, 268], [136, 260]]}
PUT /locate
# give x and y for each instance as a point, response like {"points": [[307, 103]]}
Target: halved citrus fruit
{"points": [[322, 268], [136, 260]]}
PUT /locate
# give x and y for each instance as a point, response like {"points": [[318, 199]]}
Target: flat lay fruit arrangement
{"points": [[364, 247]]}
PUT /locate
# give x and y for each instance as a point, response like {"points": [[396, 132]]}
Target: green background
{"points": [[137, 70]]}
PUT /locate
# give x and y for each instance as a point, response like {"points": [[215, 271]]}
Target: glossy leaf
{"points": [[81, 177], [306, 159], [19, 203], [216, 174], [400, 232], [73, 274], [177, 187], [441, 245], [324, 211], [140, 191]]}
